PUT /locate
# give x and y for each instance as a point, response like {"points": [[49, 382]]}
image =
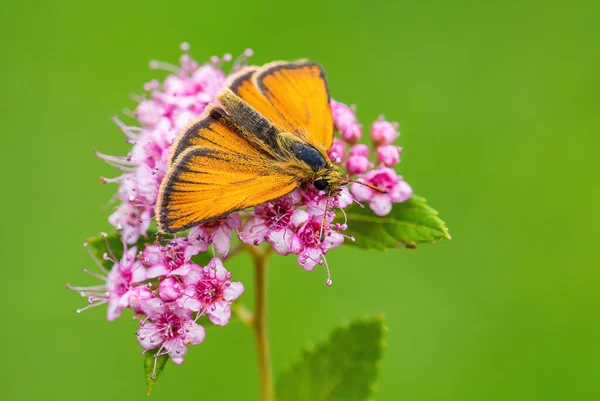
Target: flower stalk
{"points": [[259, 322]]}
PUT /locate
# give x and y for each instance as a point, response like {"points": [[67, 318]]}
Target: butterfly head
{"points": [[329, 180]]}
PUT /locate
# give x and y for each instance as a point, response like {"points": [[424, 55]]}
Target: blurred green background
{"points": [[499, 111]]}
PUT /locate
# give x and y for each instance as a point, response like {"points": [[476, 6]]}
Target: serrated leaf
{"points": [[150, 372], [343, 368], [409, 223]]}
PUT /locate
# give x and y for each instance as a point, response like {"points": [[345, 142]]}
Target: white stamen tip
{"points": [[329, 282]]}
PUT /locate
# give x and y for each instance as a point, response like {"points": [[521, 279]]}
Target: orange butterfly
{"points": [[271, 136]]}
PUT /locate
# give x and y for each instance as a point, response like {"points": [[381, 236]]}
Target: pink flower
{"points": [[357, 162], [344, 120], [384, 178], [217, 233], [275, 223], [389, 155], [168, 328], [307, 244], [210, 290], [119, 283], [167, 260], [383, 132], [131, 221]]}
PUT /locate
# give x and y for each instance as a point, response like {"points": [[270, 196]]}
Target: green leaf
{"points": [[151, 373], [409, 223], [203, 258], [343, 368]]}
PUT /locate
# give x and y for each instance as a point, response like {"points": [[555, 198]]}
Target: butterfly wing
{"points": [[293, 96], [216, 171], [213, 129]]}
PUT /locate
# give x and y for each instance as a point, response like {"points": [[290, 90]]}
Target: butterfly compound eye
{"points": [[321, 184]]}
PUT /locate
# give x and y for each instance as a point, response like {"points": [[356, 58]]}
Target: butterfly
{"points": [[271, 136]]}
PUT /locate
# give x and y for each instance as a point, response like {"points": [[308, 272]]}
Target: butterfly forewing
{"points": [[216, 170]]}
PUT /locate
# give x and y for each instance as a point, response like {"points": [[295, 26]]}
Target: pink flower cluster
{"points": [[167, 291], [377, 170], [161, 283]]}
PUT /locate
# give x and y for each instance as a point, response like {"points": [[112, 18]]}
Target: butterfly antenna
{"points": [[373, 187], [322, 235]]}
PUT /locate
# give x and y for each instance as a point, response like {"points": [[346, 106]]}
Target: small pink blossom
{"points": [[344, 120], [119, 283], [337, 153], [132, 221], [307, 244], [357, 162], [275, 223], [210, 290], [384, 132], [386, 179], [168, 328], [389, 155], [166, 260], [170, 289]]}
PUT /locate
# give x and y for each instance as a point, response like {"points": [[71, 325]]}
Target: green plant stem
{"points": [[259, 323]]}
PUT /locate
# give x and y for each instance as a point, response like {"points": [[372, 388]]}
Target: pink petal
{"points": [[299, 217], [183, 270], [333, 240], [138, 273], [222, 239], [234, 290], [194, 249], [345, 199], [113, 310], [153, 307], [254, 231], [219, 313], [217, 265], [381, 204], [176, 349], [281, 241], [193, 276], [234, 221], [190, 303], [156, 271], [177, 360], [194, 333], [148, 336], [361, 193], [401, 192]]}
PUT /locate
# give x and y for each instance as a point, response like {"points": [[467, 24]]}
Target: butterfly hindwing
{"points": [[293, 96]]}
